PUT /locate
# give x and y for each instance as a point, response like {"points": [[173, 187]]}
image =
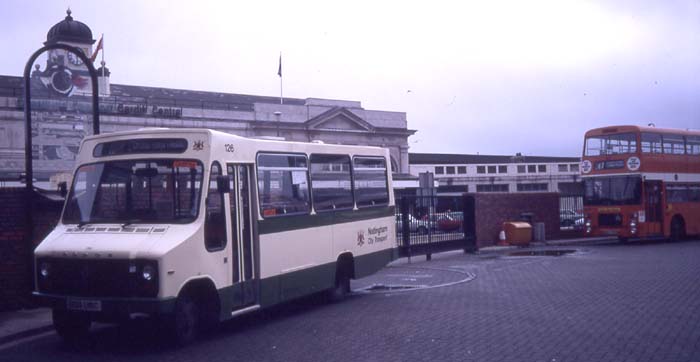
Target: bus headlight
{"points": [[45, 269], [633, 226], [588, 226], [148, 273]]}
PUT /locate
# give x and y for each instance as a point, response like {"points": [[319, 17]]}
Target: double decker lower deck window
{"points": [[283, 185], [370, 181]]}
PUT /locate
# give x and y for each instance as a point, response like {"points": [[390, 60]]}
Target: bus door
{"points": [[245, 279], [652, 207]]}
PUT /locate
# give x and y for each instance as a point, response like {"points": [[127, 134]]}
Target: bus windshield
{"points": [[611, 144], [135, 191], [615, 190]]}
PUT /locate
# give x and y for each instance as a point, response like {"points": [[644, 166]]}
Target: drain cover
{"points": [[542, 252]]}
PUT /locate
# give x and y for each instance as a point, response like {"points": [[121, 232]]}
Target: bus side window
{"points": [[214, 222], [283, 186], [331, 183], [370, 181]]}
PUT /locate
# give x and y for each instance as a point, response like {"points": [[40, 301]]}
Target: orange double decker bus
{"points": [[641, 182]]}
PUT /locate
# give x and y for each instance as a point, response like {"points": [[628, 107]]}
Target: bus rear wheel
{"points": [[341, 288], [71, 326]]}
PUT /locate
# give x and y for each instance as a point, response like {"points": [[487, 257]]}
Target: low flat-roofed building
{"points": [[458, 173]]}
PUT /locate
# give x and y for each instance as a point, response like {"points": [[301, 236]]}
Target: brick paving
{"points": [[619, 303]]}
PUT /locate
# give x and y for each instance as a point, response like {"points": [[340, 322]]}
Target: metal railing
{"points": [[430, 224]]}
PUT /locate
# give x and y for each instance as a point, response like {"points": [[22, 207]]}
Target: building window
{"points": [[439, 170], [492, 188], [531, 168], [562, 168], [492, 169], [502, 169], [521, 168], [573, 167], [450, 170], [531, 187], [480, 169], [461, 169], [541, 168]]}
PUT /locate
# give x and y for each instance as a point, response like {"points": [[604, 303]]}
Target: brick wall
{"points": [[492, 209], [15, 252]]}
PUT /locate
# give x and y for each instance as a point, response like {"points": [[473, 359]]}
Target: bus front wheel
{"points": [[184, 323], [677, 229], [71, 326]]}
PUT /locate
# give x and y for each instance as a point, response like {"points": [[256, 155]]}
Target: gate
{"points": [[432, 224]]}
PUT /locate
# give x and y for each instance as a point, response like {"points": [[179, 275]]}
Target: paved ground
{"points": [[638, 302]]}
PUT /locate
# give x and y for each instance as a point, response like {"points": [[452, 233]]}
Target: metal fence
{"points": [[430, 224], [571, 212]]}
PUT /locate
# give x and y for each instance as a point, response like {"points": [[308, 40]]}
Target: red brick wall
{"points": [[15, 252], [492, 209]]}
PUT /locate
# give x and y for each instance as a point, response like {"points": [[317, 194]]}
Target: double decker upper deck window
{"points": [[611, 144]]}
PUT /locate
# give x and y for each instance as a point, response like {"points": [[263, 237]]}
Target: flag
{"points": [[279, 70], [97, 49]]}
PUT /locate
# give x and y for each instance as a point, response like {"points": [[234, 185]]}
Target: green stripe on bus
{"points": [[289, 286], [297, 222]]}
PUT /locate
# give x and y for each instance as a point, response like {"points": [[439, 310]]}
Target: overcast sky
{"points": [[493, 77]]}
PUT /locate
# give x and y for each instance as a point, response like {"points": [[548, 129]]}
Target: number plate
{"points": [[84, 305]]}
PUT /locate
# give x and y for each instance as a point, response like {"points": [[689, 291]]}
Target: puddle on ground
{"points": [[559, 252], [385, 287]]}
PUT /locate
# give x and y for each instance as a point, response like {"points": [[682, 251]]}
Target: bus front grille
{"points": [[610, 220], [88, 278]]}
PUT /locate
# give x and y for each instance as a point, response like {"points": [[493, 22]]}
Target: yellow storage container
{"points": [[518, 232]]}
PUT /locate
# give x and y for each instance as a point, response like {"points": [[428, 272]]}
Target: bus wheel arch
{"points": [[344, 271], [196, 309], [677, 231]]}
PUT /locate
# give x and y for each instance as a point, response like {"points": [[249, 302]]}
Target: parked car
{"points": [[449, 223], [414, 225], [444, 221], [570, 218]]}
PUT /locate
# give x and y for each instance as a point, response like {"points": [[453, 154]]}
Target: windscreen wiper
{"points": [[83, 223]]}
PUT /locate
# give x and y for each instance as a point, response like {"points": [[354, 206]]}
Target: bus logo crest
{"points": [[360, 238], [586, 166], [633, 163], [198, 146]]}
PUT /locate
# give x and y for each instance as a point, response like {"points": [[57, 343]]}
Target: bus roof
{"points": [[636, 129], [218, 136]]}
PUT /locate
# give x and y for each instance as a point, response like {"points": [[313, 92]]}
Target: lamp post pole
{"points": [[28, 164], [278, 114]]}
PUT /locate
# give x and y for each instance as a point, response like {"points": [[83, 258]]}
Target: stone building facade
{"points": [[62, 113]]}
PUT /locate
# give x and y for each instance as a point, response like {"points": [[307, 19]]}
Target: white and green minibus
{"points": [[195, 226]]}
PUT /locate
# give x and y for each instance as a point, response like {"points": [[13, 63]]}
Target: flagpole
{"points": [[279, 72]]}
